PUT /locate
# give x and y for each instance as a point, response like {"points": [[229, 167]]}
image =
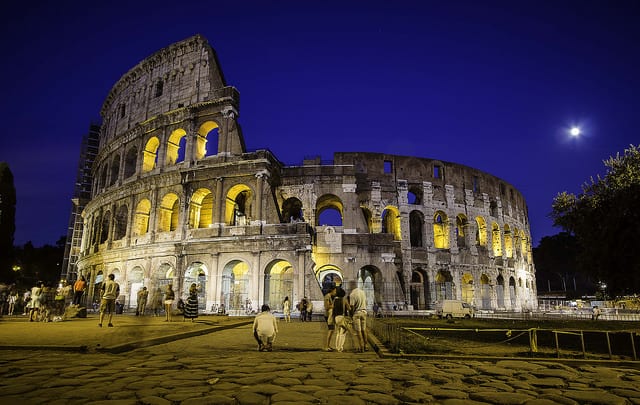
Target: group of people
{"points": [[344, 314]]}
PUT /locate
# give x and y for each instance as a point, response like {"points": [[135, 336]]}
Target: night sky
{"points": [[491, 85]]}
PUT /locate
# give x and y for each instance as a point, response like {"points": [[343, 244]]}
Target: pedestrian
{"points": [[341, 317], [303, 309], [328, 317], [596, 313], [286, 309], [191, 307], [78, 290], [110, 291], [358, 302], [13, 298], [143, 293], [34, 302], [26, 299], [309, 310], [265, 329], [169, 297]]}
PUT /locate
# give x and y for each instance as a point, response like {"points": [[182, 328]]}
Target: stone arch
{"points": [[512, 292], [292, 210], [370, 282], [415, 194], [440, 230], [141, 219], [103, 177], [329, 208], [481, 231], [500, 291], [329, 276], [161, 277], [496, 241], [104, 227], [130, 162], [508, 241], [368, 218], [461, 224], [115, 170], [135, 281], [206, 131], [120, 223], [238, 205], [485, 292], [176, 146], [278, 283], [169, 213], [391, 222], [201, 208], [419, 289], [150, 154], [235, 285], [416, 226], [467, 287], [196, 273], [444, 286]]}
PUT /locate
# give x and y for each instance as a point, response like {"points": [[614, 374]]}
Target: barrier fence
{"points": [[501, 342]]}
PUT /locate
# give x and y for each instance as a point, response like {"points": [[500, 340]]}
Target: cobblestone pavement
{"points": [[219, 364]]}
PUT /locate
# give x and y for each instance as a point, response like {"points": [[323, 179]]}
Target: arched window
{"points": [[391, 222], [329, 210], [416, 224], [169, 212], [292, 210], [201, 209], [150, 157], [120, 228], [206, 144], [104, 229], [440, 230], [141, 220], [130, 162], [115, 170], [496, 241], [481, 232], [508, 241], [461, 223], [176, 146]]}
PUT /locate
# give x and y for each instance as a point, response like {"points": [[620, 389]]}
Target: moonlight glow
{"points": [[574, 131]]}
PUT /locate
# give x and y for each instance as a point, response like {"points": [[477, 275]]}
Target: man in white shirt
{"points": [[358, 302], [110, 291], [265, 328]]}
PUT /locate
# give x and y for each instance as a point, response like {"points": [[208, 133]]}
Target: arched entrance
{"points": [[196, 274], [136, 282], [444, 288], [278, 283], [329, 276], [235, 286], [418, 289], [485, 292], [468, 290]]}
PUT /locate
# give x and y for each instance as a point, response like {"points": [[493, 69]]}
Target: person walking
{"points": [[265, 329], [143, 294], [358, 302], [78, 290], [286, 309], [191, 307], [169, 297], [110, 291], [328, 317]]}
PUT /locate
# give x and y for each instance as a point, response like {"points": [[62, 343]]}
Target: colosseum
{"points": [[176, 198]]}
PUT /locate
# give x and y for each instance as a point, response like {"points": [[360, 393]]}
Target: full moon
{"points": [[575, 131]]}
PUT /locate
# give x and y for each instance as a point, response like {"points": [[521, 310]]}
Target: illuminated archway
{"points": [[329, 210], [329, 276], [481, 232], [204, 145], [391, 221], [235, 285], [444, 286], [196, 274], [496, 241], [278, 283], [508, 241], [150, 154], [135, 278], [461, 223], [467, 287], [238, 205], [141, 220], [201, 209], [176, 146], [419, 289], [169, 212], [440, 230]]}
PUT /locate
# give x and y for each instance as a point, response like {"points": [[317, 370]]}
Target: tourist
{"points": [[13, 298], [265, 329], [341, 318], [358, 301], [302, 306], [156, 302], [328, 317], [143, 294], [34, 302], [191, 307], [78, 290], [309, 310], [110, 291], [169, 297], [286, 309]]}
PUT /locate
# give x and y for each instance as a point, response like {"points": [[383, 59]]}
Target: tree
{"points": [[605, 219], [7, 222]]}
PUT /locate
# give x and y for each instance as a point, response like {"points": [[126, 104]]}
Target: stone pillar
{"points": [[219, 203], [258, 214]]}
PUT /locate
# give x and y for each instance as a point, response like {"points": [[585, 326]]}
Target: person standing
{"points": [[286, 309], [156, 301], [13, 298], [110, 291], [309, 310], [191, 307], [78, 290], [143, 294], [303, 309], [341, 317], [265, 329], [358, 302], [328, 317], [34, 303], [169, 297]]}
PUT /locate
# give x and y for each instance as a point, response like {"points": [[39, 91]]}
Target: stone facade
{"points": [[178, 199]]}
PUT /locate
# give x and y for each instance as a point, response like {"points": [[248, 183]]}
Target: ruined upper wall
{"points": [[177, 76]]}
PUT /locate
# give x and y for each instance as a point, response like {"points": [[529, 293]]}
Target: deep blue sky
{"points": [[490, 84]]}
